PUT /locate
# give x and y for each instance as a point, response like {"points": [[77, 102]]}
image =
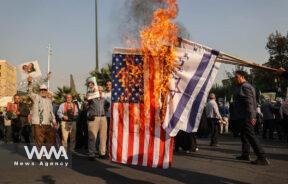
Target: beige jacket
{"points": [[42, 110]]}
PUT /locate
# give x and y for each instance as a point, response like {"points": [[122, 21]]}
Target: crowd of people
{"points": [[73, 124], [84, 124], [244, 118]]}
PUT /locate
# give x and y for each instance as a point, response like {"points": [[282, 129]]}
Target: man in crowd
{"points": [[213, 117], [284, 116], [245, 111], [97, 123], [108, 112], [82, 127], [7, 128], [68, 113], [268, 118], [224, 112], [1, 125], [23, 117], [277, 124], [43, 119], [12, 114]]}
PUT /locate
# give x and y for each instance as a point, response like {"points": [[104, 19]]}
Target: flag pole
{"points": [[96, 35], [48, 67], [229, 59]]}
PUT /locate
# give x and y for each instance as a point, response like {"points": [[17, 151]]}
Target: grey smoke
{"points": [[138, 14]]}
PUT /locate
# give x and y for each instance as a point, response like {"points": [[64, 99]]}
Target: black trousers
{"points": [[16, 131], [214, 129], [26, 133], [248, 138], [2, 130], [187, 141], [108, 133], [8, 134], [268, 125], [193, 141], [285, 126]]}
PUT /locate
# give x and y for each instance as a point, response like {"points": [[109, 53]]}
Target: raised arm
{"points": [[31, 94]]}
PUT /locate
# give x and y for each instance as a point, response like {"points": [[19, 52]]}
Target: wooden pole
{"points": [[229, 59]]}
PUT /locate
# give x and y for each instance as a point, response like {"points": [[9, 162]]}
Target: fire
{"points": [[158, 43], [158, 48]]}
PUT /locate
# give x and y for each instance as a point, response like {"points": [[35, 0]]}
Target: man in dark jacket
{"points": [[24, 112], [267, 109], [13, 115], [1, 125], [245, 108]]}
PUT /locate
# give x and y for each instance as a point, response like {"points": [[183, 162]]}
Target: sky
{"points": [[239, 28]]}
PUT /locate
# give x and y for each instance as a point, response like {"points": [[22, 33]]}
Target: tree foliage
{"points": [[62, 92], [227, 90], [264, 81], [277, 46], [103, 75]]}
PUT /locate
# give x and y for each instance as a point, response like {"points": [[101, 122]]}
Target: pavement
{"points": [[208, 165]]}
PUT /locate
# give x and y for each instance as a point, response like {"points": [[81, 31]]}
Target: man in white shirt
{"points": [[213, 117]]}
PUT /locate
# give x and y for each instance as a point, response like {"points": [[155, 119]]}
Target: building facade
{"points": [[8, 79]]}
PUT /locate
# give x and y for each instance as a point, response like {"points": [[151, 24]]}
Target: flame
{"points": [[158, 46]]}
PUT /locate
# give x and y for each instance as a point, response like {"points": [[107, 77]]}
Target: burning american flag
{"points": [[138, 137], [157, 91]]}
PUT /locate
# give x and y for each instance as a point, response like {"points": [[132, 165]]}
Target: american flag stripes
{"points": [[136, 137]]}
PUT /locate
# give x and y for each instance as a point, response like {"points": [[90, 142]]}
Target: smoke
{"points": [[137, 15], [182, 31]]}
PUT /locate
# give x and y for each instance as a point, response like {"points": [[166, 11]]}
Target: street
{"points": [[208, 165]]}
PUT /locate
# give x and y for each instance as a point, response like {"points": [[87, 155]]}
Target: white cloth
{"points": [[212, 110]]}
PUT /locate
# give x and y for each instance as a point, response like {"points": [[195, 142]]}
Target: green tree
{"points": [[228, 89], [103, 75], [277, 46], [62, 92]]}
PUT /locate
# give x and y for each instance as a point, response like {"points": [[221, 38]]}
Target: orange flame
{"points": [[158, 42], [158, 47]]}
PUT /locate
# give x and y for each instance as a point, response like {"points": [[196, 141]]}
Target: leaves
{"points": [[103, 75], [277, 46], [62, 92]]}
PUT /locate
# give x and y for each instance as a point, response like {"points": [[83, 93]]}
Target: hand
{"points": [[69, 127], [49, 76], [55, 125], [65, 118], [252, 122], [29, 79]]}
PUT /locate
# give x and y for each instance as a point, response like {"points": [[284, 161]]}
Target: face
{"points": [[100, 89], [69, 98], [43, 93], [50, 96], [109, 86], [25, 68], [30, 65], [17, 99], [91, 85], [239, 79]]}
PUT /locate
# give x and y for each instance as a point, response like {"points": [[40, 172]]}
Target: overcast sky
{"points": [[27, 27]]}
